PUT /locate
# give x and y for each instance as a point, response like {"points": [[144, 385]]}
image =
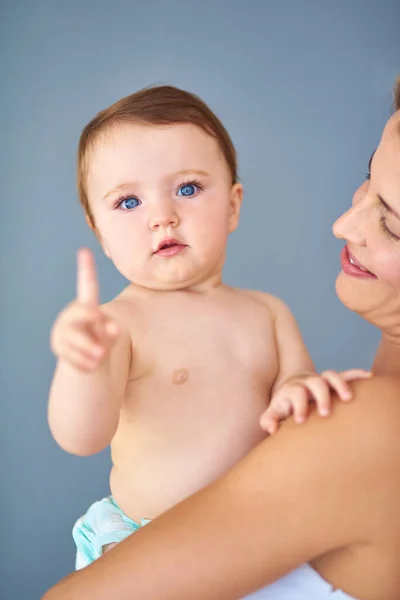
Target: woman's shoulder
{"points": [[374, 417], [357, 439], [390, 386], [342, 470], [376, 403]]}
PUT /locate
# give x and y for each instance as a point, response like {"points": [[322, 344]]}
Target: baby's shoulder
{"points": [[123, 308], [273, 304]]}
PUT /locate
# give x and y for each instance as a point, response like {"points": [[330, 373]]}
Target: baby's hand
{"points": [[293, 396], [82, 333]]}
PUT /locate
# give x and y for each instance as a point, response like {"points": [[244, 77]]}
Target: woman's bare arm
{"points": [[299, 494]]}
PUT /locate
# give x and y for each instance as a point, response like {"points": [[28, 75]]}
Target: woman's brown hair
{"points": [[397, 94]]}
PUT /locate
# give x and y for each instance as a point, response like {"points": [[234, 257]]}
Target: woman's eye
{"points": [[188, 189], [129, 203]]}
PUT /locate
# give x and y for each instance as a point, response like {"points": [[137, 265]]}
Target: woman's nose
{"points": [[347, 228], [351, 225]]}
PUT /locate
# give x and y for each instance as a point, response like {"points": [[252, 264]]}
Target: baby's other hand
{"points": [[293, 396], [83, 334]]}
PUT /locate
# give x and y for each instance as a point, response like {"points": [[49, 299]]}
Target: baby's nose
{"points": [[163, 216]]}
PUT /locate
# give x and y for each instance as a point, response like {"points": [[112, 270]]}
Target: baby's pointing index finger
{"points": [[87, 287]]}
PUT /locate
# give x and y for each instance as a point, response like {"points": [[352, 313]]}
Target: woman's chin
{"points": [[375, 300], [354, 292]]}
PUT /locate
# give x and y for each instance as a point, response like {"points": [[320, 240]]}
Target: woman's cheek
{"points": [[388, 266]]}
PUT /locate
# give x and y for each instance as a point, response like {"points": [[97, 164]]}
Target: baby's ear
{"points": [[235, 205], [97, 234], [90, 224]]}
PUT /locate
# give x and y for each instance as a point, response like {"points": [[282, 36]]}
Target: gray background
{"points": [[304, 89]]}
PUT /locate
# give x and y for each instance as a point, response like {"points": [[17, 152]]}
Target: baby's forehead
{"points": [[148, 136], [145, 151], [141, 144]]}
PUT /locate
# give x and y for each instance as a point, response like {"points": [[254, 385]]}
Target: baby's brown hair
{"points": [[158, 105]]}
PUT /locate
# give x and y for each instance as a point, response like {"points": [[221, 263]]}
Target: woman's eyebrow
{"points": [[388, 207]]}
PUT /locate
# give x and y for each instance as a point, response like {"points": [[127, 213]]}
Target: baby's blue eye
{"points": [[189, 189], [129, 203]]}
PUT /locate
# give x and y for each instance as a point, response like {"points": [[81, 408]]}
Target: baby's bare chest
{"points": [[200, 379], [201, 347]]}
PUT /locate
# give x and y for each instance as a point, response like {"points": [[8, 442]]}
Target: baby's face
{"points": [[163, 203]]}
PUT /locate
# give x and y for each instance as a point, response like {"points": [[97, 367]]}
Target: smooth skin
{"points": [[178, 364], [326, 493]]}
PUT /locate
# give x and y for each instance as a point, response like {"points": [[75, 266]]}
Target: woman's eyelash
{"points": [[383, 226], [386, 230], [382, 221]]}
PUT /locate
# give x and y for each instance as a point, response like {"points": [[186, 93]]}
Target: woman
{"points": [[331, 523]]}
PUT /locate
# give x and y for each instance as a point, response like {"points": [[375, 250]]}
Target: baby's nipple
{"points": [[180, 376]]}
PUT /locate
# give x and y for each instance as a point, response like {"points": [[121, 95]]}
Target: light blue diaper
{"points": [[104, 523]]}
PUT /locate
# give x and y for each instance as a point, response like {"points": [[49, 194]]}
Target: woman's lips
{"points": [[351, 266]]}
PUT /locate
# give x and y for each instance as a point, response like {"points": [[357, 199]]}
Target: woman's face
{"points": [[369, 282]]}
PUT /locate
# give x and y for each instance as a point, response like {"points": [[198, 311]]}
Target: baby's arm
{"points": [[89, 383], [293, 356], [297, 382]]}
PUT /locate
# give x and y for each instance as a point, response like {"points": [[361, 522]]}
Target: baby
{"points": [[178, 371]]}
